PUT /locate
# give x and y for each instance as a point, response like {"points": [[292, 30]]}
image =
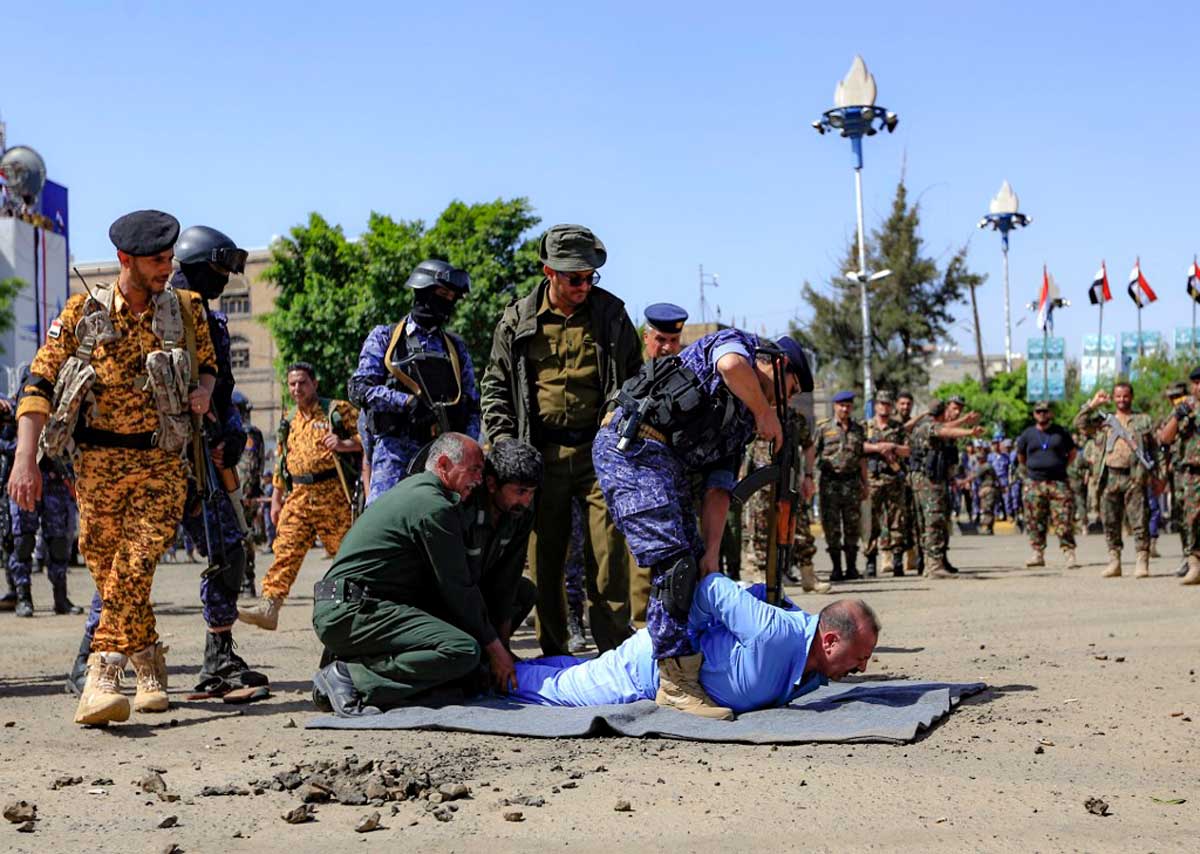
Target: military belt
{"points": [[306, 479], [340, 590], [1121, 469], [645, 431], [109, 439], [566, 437]]}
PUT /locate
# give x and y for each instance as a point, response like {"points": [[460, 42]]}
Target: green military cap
{"points": [[1178, 389], [571, 248], [1042, 404], [883, 396]]}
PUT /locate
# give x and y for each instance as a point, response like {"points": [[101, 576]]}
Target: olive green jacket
{"points": [[508, 396]]}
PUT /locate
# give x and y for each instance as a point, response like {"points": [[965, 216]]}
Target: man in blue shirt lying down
{"points": [[755, 655]]}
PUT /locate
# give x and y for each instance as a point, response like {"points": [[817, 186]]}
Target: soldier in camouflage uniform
{"points": [[130, 427], [984, 479], [1176, 393], [1122, 480], [933, 457], [1077, 480], [756, 511], [912, 559], [886, 448], [843, 484], [1183, 431], [1045, 451]]}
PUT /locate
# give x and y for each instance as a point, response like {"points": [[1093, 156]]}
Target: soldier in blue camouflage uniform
{"points": [[999, 461], [8, 445], [692, 413], [52, 515], [396, 359], [207, 258]]}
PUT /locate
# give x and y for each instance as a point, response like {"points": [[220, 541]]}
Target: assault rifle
{"points": [[417, 463], [208, 488], [780, 475], [1116, 430]]}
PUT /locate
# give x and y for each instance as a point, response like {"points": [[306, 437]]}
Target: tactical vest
{"points": [[433, 378], [673, 401], [170, 372]]}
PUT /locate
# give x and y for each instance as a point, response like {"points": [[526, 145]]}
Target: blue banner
{"points": [[1046, 369]]}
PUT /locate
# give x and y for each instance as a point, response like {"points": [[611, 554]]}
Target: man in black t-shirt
{"points": [[1045, 449]]}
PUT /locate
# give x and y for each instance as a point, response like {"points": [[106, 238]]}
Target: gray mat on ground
{"points": [[892, 712]]}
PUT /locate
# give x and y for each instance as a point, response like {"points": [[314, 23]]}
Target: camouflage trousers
{"points": [[1187, 487], [932, 500], [52, 513], [312, 510], [987, 507], [1179, 507], [1079, 493], [130, 503], [1049, 506], [1123, 499], [841, 510], [889, 525], [758, 536]]}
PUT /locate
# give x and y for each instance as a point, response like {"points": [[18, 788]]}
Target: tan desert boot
{"points": [[265, 614], [935, 569], [1193, 573], [150, 666], [1113, 570], [101, 701], [1071, 561], [679, 688], [910, 561], [809, 582], [1154, 548], [1037, 558], [1142, 567]]}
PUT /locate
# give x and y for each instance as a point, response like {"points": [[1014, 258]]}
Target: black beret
{"points": [[144, 232], [1194, 375], [571, 248], [666, 317]]}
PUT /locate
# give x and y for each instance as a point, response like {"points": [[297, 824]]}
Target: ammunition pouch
{"points": [[672, 401], [432, 377], [676, 586], [72, 388], [167, 376]]}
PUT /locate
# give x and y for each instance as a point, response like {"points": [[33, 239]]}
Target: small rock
{"points": [[152, 784], [453, 791], [101, 781], [435, 797], [1039, 750], [1096, 806], [168, 821], [569, 784], [443, 814], [1119, 659], [27, 827], [1101, 658], [376, 791], [301, 814], [313, 794], [351, 797], [10, 723], [19, 812], [367, 823], [291, 724], [64, 781], [168, 797], [171, 848], [623, 806], [514, 815]]}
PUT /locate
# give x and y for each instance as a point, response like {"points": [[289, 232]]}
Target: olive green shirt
{"points": [[566, 369], [410, 546]]}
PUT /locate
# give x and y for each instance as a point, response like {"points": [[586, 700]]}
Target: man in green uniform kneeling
{"points": [[428, 577]]}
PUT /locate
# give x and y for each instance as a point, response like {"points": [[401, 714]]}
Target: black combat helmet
{"points": [[208, 258], [430, 309]]}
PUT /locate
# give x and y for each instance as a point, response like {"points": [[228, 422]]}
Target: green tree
{"points": [[910, 310], [332, 290], [9, 289], [1002, 404]]}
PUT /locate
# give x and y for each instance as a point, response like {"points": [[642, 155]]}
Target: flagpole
{"points": [[1046, 361], [1100, 341], [1140, 354]]}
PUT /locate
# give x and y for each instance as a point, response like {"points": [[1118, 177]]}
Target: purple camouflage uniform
{"points": [[648, 489], [370, 392]]}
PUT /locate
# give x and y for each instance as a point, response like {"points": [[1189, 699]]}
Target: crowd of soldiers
{"points": [[434, 493]]}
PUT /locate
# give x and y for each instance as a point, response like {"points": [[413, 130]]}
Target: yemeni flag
{"points": [[1099, 291], [1046, 302], [1194, 281], [1139, 288]]}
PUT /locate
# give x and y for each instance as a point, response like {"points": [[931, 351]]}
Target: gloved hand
{"points": [[1182, 411]]}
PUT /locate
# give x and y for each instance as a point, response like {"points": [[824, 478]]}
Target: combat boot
{"points": [[1141, 569], [872, 565], [898, 559], [24, 601], [8, 602], [1193, 574], [150, 666], [936, 569], [102, 701], [576, 640], [1153, 549], [1036, 558], [248, 590], [265, 614], [910, 561], [1183, 569], [1113, 570], [852, 565], [679, 688], [1070, 561], [809, 582], [836, 573], [224, 670], [63, 605]]}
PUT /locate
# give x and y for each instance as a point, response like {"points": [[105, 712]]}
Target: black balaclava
{"points": [[430, 309]]}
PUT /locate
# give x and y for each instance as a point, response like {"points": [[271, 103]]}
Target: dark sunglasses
{"points": [[579, 279], [230, 261]]}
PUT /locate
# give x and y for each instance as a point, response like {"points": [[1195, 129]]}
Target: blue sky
{"points": [[678, 131]]}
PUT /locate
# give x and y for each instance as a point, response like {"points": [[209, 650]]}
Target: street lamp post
{"points": [[1003, 216], [854, 115]]}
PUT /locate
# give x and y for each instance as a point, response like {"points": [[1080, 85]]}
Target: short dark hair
{"points": [[844, 616], [904, 394], [1123, 384], [303, 366], [513, 461]]}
